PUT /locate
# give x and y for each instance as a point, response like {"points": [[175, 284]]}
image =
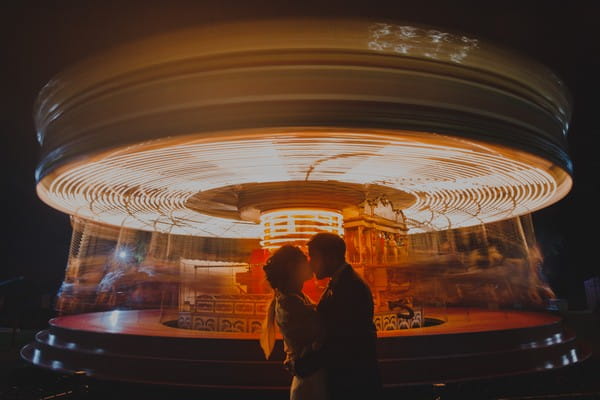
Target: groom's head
{"points": [[327, 251]]}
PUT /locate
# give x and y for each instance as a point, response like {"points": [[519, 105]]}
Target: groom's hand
{"points": [[307, 364], [289, 365]]}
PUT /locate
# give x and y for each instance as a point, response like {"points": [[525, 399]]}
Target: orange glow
{"points": [[455, 183], [297, 226]]}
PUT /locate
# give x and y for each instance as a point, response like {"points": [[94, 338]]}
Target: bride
{"points": [[295, 315]]}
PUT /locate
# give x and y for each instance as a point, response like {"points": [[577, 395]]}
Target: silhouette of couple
{"points": [[330, 346]]}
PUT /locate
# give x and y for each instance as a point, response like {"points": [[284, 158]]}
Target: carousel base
{"points": [[133, 346]]}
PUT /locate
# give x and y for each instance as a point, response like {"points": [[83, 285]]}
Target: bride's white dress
{"points": [[298, 322]]}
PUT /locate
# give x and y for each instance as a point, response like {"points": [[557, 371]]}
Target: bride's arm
{"points": [[298, 321], [313, 356]]}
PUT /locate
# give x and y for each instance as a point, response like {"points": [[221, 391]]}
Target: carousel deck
{"points": [[135, 346]]}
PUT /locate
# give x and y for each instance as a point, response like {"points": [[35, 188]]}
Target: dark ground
{"points": [[19, 380]]}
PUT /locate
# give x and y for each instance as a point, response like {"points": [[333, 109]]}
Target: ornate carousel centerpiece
{"points": [[185, 159]]}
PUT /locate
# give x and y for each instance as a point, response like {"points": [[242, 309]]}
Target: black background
{"points": [[40, 38]]}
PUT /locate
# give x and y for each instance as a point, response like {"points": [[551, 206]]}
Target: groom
{"points": [[348, 352]]}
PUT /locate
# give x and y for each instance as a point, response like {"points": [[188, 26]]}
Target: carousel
{"points": [[185, 159]]}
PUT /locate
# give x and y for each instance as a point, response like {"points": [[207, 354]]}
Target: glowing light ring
{"points": [[455, 183]]}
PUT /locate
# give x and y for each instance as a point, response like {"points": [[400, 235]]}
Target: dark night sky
{"points": [[40, 38]]}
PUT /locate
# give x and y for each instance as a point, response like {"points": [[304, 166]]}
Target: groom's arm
{"points": [[307, 364], [350, 324], [312, 360]]}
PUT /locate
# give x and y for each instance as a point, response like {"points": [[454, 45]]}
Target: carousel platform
{"points": [[134, 346]]}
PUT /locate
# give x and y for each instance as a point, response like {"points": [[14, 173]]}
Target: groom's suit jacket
{"points": [[348, 351]]}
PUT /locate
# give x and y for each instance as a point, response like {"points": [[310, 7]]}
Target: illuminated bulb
{"points": [[296, 226]]}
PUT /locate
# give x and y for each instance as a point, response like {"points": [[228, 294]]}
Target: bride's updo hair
{"points": [[280, 267]]}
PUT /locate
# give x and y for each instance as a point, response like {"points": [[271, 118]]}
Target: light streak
{"points": [[455, 183]]}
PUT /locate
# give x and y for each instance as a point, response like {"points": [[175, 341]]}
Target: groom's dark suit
{"points": [[348, 352]]}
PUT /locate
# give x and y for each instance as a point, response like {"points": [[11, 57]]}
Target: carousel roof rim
{"points": [[361, 36]]}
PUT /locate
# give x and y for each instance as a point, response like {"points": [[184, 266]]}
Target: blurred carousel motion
{"points": [[185, 159]]}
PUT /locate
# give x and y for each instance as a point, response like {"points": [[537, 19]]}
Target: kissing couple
{"points": [[330, 346]]}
